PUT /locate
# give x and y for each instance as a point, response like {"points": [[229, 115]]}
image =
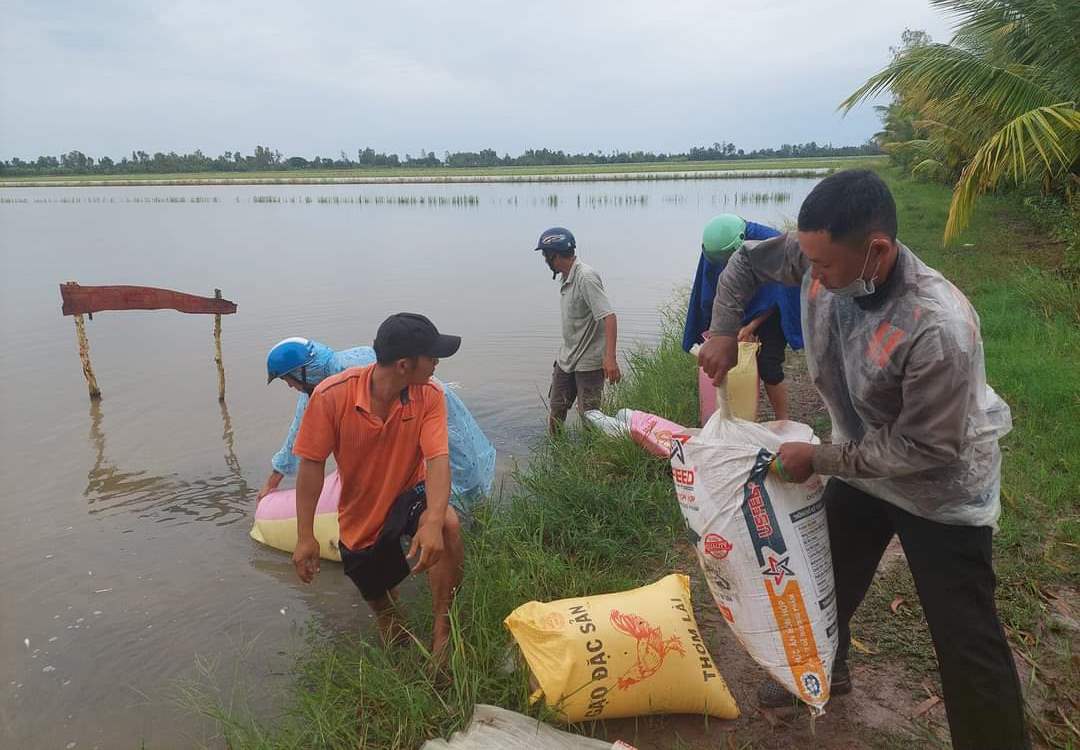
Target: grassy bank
{"points": [[590, 515], [1012, 274], [1015, 274], [593, 514], [541, 173]]}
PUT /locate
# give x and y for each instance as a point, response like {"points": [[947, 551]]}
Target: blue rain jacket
{"points": [[786, 298], [472, 456]]}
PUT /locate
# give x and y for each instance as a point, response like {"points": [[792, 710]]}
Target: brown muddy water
{"points": [[124, 524]]}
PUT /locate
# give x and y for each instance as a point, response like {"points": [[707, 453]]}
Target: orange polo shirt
{"points": [[377, 459]]}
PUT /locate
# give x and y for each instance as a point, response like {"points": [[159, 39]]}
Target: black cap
{"points": [[412, 335]]}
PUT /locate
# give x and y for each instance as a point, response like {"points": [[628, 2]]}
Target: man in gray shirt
{"points": [[589, 330], [895, 351]]}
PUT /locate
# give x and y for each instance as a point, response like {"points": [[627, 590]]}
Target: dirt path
{"points": [[896, 702], [891, 706]]}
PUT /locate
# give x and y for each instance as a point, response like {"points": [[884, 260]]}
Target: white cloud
{"points": [[307, 78]]}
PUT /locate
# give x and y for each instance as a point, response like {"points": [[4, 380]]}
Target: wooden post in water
{"points": [[81, 300], [217, 352], [84, 355]]}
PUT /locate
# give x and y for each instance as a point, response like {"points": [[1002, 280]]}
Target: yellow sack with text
{"points": [[625, 654]]}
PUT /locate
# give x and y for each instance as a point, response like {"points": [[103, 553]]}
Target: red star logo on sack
{"points": [[778, 569], [716, 546]]}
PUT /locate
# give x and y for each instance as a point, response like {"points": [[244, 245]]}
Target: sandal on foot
{"points": [[771, 694]]}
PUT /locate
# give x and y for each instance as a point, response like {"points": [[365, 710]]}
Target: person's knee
{"points": [[451, 526], [561, 394], [383, 604], [770, 361], [590, 390], [771, 369], [772, 377], [558, 407], [590, 402]]}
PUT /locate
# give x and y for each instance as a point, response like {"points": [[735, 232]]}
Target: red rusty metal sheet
{"points": [[80, 299]]}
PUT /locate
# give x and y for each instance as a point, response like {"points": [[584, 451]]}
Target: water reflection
{"points": [[227, 436], [221, 499]]}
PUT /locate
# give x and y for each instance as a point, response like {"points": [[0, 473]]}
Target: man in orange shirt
{"points": [[386, 426]]}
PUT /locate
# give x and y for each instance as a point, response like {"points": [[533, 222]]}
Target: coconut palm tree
{"points": [[1002, 97]]}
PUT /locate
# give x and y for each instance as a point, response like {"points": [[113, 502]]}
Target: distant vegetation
{"points": [[267, 159]]}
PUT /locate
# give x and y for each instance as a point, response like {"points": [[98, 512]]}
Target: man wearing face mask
{"points": [[589, 330], [895, 351]]}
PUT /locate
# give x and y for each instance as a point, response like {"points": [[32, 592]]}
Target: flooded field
{"points": [[125, 522]]}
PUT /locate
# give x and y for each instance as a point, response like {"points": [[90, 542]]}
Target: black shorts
{"points": [[381, 567], [770, 358]]}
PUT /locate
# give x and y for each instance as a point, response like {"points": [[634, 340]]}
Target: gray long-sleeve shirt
{"points": [[902, 375]]}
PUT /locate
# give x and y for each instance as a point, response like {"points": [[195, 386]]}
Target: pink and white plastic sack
{"points": [[275, 519], [651, 432]]}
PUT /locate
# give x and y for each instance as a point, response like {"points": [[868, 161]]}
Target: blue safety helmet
{"points": [[288, 355], [557, 239]]}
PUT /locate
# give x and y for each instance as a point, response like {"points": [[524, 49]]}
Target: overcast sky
{"points": [[109, 76]]}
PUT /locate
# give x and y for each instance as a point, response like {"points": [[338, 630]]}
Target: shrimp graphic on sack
{"points": [[651, 647]]}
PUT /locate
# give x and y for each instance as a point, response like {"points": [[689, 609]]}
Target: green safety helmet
{"points": [[723, 235]]}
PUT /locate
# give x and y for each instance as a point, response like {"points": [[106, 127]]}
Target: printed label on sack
{"points": [[785, 595], [812, 527], [684, 487], [798, 638], [716, 546], [651, 648], [596, 657], [677, 453], [758, 511]]}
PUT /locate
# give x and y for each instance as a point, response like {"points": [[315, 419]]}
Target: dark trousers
{"points": [[954, 575], [770, 357]]}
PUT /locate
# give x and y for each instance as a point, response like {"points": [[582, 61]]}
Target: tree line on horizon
{"points": [[265, 158]]}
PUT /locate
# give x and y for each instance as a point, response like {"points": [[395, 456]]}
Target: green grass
{"points": [[1032, 346], [1015, 276], [593, 514], [334, 175]]}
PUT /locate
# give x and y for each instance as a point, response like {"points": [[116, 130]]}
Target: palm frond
{"points": [[1041, 33], [939, 126], [999, 102], [929, 168], [943, 71], [1045, 140], [964, 126]]}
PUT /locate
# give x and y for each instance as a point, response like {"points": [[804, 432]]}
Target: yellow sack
{"points": [[625, 654], [740, 387], [742, 382]]}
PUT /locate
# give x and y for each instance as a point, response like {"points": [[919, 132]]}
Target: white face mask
{"points": [[860, 287]]}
